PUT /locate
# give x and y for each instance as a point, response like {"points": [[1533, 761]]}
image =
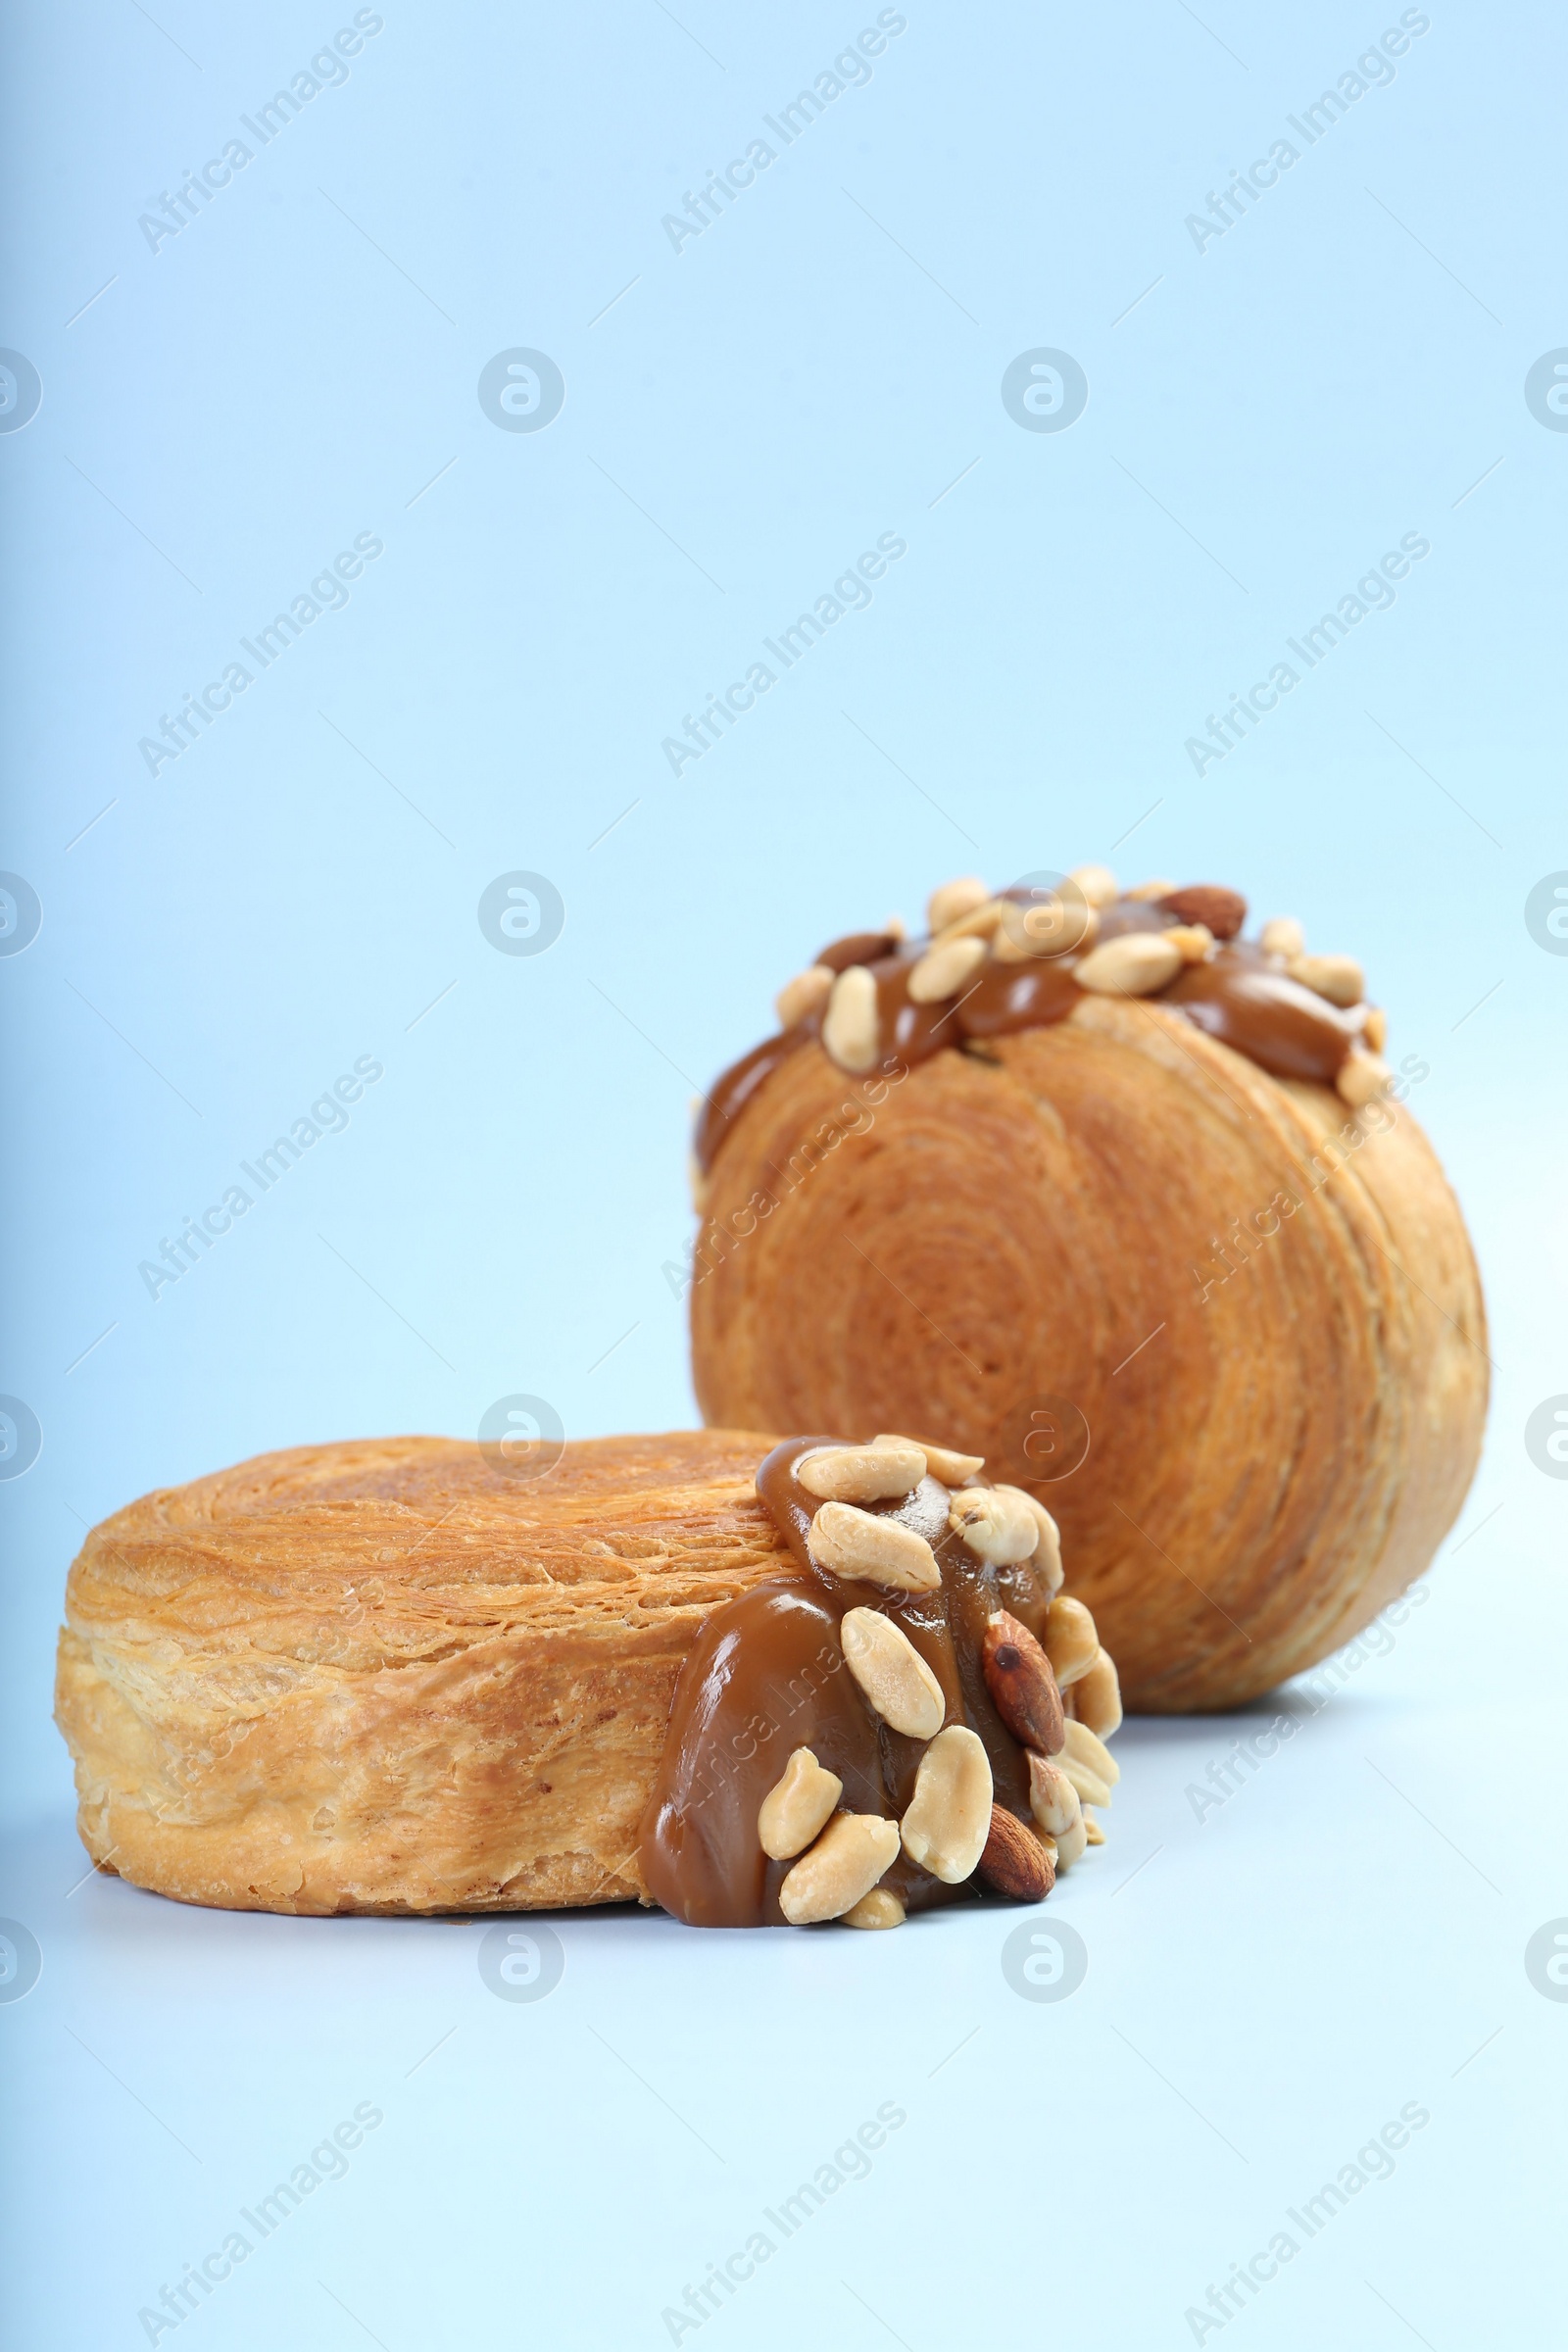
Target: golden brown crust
{"points": [[1266, 1470], [381, 1676]]}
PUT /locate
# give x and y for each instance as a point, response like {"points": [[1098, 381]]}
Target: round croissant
{"points": [[1256, 1308]]}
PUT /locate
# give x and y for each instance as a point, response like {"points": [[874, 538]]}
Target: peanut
{"points": [[948, 1817], [1097, 882], [953, 901], [1089, 1764], [881, 1908], [1362, 1077], [1070, 1845], [1051, 923], [1340, 978], [850, 1025], [896, 1680], [1151, 890], [941, 1461], [796, 1807], [806, 992], [979, 923], [995, 1523], [843, 1864], [1282, 935], [860, 1473], [1092, 1828], [1134, 963], [1375, 1029], [1047, 1560], [1194, 939], [942, 971], [854, 1543], [1053, 1798], [1070, 1641], [1097, 1697]]}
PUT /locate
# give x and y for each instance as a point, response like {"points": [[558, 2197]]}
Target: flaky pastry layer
{"points": [[382, 1675]]}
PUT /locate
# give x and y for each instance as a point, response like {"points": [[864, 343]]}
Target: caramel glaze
{"points": [[767, 1675], [1243, 997]]}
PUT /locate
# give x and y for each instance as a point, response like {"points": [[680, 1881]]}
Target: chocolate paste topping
{"points": [[1243, 996], [767, 1675]]}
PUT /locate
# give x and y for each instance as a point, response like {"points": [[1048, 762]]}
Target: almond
{"points": [[1224, 911], [1023, 1689], [1014, 1861]]}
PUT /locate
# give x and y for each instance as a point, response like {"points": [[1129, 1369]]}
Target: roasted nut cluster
{"points": [[1058, 1698], [972, 929]]}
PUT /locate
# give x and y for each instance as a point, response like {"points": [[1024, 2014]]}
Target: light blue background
{"points": [[821, 365]]}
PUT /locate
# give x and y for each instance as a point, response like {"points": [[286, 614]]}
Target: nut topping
{"points": [[1097, 882], [1134, 963], [979, 923], [1097, 1697], [1047, 1560], [881, 1908], [949, 1818], [861, 1473], [850, 1025], [806, 992], [1194, 939], [942, 1462], [896, 1680], [796, 1807], [1049, 923], [1014, 1861], [1362, 1078], [1070, 1641], [854, 1543], [953, 901], [1222, 911], [995, 1523], [1340, 978], [1023, 1690], [1053, 1798], [1282, 935], [1070, 1845], [942, 971], [1089, 1764], [843, 1864]]}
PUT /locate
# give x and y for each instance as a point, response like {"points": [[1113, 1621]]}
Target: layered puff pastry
{"points": [[1134, 1206], [385, 1677], [758, 1684]]}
